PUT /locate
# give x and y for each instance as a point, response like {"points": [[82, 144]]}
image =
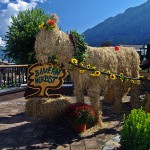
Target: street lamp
{"points": [[143, 51]]}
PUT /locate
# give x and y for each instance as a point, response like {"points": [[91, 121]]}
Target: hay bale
{"points": [[46, 108]]}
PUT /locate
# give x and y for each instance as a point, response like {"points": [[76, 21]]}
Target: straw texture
{"points": [[125, 60], [46, 108]]}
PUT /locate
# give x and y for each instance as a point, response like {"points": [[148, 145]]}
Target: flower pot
{"points": [[80, 127]]}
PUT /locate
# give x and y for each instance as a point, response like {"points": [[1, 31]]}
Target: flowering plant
{"points": [[81, 113], [49, 25]]}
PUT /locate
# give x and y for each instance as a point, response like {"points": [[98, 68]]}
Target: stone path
{"points": [[19, 132]]}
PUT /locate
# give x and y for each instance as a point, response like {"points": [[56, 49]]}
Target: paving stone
{"points": [[92, 144], [78, 143], [116, 138], [32, 134], [64, 147], [22, 148], [110, 145], [77, 147], [94, 149]]}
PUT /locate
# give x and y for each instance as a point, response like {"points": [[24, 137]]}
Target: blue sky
{"points": [[84, 14], [73, 14]]}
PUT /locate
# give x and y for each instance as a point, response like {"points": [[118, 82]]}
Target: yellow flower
{"points": [[103, 70], [74, 61], [82, 71], [81, 64], [97, 73], [94, 67], [50, 64], [141, 77], [138, 81], [132, 81], [88, 66], [92, 74], [121, 79], [41, 26], [108, 71], [112, 76], [121, 74]]}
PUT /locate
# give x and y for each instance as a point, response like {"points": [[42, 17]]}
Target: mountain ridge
{"points": [[130, 27]]}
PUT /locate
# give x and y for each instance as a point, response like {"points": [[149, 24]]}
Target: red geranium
{"points": [[116, 48], [51, 22]]}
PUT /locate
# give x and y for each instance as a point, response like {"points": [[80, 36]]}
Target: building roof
{"points": [[137, 47]]}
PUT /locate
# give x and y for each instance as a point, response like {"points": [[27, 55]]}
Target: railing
{"points": [[16, 75], [13, 75]]}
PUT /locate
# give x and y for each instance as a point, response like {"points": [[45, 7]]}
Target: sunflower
{"points": [[97, 73], [88, 66], [82, 71], [41, 26], [132, 81], [138, 82], [141, 77], [92, 74], [112, 76], [50, 64], [74, 61], [121, 74], [121, 80], [94, 67], [81, 64], [108, 71]]}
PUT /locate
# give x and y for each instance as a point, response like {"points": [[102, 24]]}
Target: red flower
{"points": [[80, 112], [116, 48], [51, 22]]}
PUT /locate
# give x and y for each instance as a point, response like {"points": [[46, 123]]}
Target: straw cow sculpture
{"points": [[125, 60]]}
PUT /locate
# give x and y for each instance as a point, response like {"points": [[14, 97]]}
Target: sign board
{"points": [[42, 77]]}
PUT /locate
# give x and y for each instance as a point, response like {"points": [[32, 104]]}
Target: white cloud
{"points": [[41, 1], [13, 9], [2, 43], [4, 1]]}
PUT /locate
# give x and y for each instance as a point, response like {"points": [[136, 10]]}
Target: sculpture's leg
{"points": [[94, 94], [135, 102], [79, 93], [119, 93], [109, 95]]}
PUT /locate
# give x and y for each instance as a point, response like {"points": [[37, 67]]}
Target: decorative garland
{"points": [[49, 25], [79, 45], [97, 73]]}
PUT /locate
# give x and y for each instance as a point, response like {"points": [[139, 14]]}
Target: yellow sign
{"points": [[44, 77]]}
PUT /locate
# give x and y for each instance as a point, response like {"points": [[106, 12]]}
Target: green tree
{"points": [[21, 35]]}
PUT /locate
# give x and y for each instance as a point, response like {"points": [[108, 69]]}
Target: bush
{"points": [[135, 134]]}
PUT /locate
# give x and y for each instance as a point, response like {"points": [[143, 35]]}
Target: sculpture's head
{"points": [[52, 42]]}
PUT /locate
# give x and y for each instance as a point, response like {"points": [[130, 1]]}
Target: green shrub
{"points": [[135, 134]]}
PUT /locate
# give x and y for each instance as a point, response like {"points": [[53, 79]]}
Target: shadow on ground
{"points": [[22, 132]]}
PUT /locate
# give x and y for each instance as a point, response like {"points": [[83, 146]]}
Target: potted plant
{"points": [[80, 114]]}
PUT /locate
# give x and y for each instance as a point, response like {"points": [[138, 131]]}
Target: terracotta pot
{"points": [[80, 127]]}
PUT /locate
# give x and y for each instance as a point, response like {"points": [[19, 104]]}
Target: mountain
{"points": [[130, 27]]}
